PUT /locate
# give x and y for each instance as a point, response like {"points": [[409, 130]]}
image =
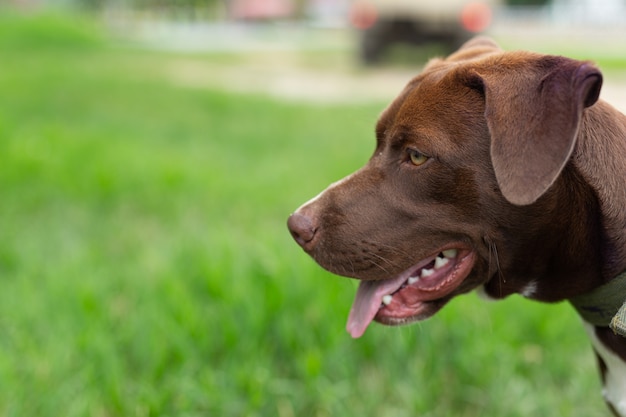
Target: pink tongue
{"points": [[367, 302]]}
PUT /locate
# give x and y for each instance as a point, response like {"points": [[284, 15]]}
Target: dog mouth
{"points": [[415, 294]]}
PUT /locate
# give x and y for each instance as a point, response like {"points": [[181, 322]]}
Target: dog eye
{"points": [[417, 158]]}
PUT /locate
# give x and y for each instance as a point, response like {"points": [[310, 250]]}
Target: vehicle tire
{"points": [[374, 43]]}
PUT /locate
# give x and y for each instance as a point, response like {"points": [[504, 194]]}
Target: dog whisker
{"points": [[379, 266], [382, 258], [393, 250], [493, 252], [352, 266]]}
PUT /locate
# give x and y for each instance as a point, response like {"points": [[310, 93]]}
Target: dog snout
{"points": [[302, 228]]}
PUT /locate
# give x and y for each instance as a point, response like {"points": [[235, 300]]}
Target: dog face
{"points": [[465, 187]]}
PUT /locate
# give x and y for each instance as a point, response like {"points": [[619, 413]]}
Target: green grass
{"points": [[145, 267]]}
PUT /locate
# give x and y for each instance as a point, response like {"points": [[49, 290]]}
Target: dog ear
{"points": [[533, 113], [473, 48], [480, 42]]}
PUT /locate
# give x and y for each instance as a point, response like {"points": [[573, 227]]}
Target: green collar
{"points": [[605, 306]]}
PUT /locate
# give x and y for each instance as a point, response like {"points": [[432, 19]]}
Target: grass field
{"points": [[146, 270]]}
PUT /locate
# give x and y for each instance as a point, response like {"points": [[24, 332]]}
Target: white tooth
{"points": [[450, 253], [439, 262], [387, 299], [413, 280], [427, 272]]}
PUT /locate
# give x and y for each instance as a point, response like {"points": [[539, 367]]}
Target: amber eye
{"points": [[417, 158]]}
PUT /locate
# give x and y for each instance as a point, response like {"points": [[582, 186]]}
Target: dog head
{"points": [[466, 186]]}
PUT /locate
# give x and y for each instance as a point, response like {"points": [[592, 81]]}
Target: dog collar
{"points": [[605, 306]]}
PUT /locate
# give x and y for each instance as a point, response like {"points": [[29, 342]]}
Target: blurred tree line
{"points": [[192, 7], [181, 8], [145, 4], [527, 2], [189, 8]]}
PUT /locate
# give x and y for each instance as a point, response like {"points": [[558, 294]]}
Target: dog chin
{"points": [[424, 311]]}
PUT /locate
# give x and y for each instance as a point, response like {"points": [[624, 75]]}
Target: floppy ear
{"points": [[479, 41], [473, 48], [533, 113]]}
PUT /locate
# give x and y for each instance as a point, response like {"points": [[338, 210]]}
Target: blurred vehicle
{"points": [[383, 23], [327, 13], [261, 9]]}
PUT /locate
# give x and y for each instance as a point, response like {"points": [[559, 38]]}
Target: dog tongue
{"points": [[367, 302]]}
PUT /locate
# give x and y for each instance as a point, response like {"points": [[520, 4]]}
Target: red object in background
{"points": [[476, 17], [261, 9], [363, 14]]}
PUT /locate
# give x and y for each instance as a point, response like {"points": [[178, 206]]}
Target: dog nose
{"points": [[302, 228]]}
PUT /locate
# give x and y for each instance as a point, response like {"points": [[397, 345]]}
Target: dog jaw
{"points": [[415, 294]]}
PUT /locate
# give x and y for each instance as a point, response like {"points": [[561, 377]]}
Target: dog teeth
{"points": [[427, 272], [439, 262], [387, 299]]}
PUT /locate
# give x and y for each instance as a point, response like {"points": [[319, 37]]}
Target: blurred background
{"points": [[150, 153]]}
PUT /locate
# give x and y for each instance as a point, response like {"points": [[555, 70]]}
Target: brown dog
{"points": [[492, 169]]}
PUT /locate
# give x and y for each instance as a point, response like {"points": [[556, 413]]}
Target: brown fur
{"points": [[526, 168]]}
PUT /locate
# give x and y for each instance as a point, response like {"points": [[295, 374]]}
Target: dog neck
{"points": [[599, 156]]}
